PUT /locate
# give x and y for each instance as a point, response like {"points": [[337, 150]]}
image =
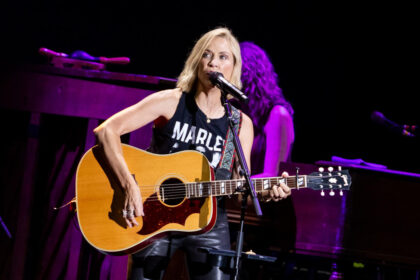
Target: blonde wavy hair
{"points": [[187, 80]]}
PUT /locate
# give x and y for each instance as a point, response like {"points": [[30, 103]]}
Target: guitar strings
{"points": [[291, 182], [179, 190]]}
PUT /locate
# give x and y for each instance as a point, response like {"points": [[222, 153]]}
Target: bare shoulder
{"points": [[168, 95], [246, 120], [279, 120], [165, 102], [279, 111], [247, 125]]}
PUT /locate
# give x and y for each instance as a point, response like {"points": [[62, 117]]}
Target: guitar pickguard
{"points": [[157, 215]]}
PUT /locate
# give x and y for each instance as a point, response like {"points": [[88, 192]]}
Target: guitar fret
{"points": [[300, 181], [196, 187], [238, 184], [282, 180], [190, 191], [266, 184], [187, 194]]}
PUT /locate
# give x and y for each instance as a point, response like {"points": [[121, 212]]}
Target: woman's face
{"points": [[216, 58]]}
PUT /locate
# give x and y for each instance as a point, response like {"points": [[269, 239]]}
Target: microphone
{"points": [[405, 130], [217, 79]]}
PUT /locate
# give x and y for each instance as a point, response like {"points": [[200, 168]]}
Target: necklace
{"points": [[208, 120], [207, 117]]}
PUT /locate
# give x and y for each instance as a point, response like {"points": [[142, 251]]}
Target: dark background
{"points": [[337, 62]]}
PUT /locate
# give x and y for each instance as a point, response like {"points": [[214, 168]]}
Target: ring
{"points": [[130, 214]]}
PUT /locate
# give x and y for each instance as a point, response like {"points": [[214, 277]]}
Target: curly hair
{"points": [[260, 84]]}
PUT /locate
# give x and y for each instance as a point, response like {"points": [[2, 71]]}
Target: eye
{"points": [[224, 57], [207, 55]]}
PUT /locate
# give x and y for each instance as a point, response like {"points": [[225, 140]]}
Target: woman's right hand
{"points": [[133, 205]]}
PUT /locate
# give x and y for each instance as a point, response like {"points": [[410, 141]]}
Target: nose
{"points": [[213, 62]]}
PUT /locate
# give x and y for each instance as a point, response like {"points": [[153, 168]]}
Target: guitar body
{"points": [[178, 195], [166, 207]]}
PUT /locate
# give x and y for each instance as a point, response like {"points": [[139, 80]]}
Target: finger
{"points": [[275, 191], [129, 217], [274, 194], [138, 210], [128, 222], [278, 193], [284, 174], [133, 222], [285, 189], [282, 194]]}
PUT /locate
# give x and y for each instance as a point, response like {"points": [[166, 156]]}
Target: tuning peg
{"points": [[341, 192], [321, 169], [322, 190], [339, 170], [332, 193], [330, 169]]}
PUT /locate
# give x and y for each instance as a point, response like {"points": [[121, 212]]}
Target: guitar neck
{"points": [[229, 187]]}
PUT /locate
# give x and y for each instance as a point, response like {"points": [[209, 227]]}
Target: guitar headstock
{"points": [[329, 180]]}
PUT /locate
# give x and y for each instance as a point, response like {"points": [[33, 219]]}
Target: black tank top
{"points": [[188, 130]]}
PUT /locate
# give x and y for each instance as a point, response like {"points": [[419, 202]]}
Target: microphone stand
{"points": [[224, 257], [250, 190]]}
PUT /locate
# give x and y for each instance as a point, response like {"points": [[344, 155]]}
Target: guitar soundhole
{"points": [[172, 191]]}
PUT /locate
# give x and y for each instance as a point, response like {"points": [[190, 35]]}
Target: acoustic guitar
{"points": [[178, 193]]}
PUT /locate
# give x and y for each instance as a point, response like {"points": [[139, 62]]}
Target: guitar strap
{"points": [[224, 169]]}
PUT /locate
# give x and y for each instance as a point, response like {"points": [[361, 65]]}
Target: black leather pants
{"points": [[151, 262]]}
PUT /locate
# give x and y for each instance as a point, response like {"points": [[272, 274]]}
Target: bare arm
{"points": [[160, 104], [279, 133], [279, 139], [246, 136]]}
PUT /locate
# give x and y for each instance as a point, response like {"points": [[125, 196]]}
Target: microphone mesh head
{"points": [[214, 77]]}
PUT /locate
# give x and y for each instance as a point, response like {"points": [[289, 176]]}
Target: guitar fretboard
{"points": [[229, 187]]}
